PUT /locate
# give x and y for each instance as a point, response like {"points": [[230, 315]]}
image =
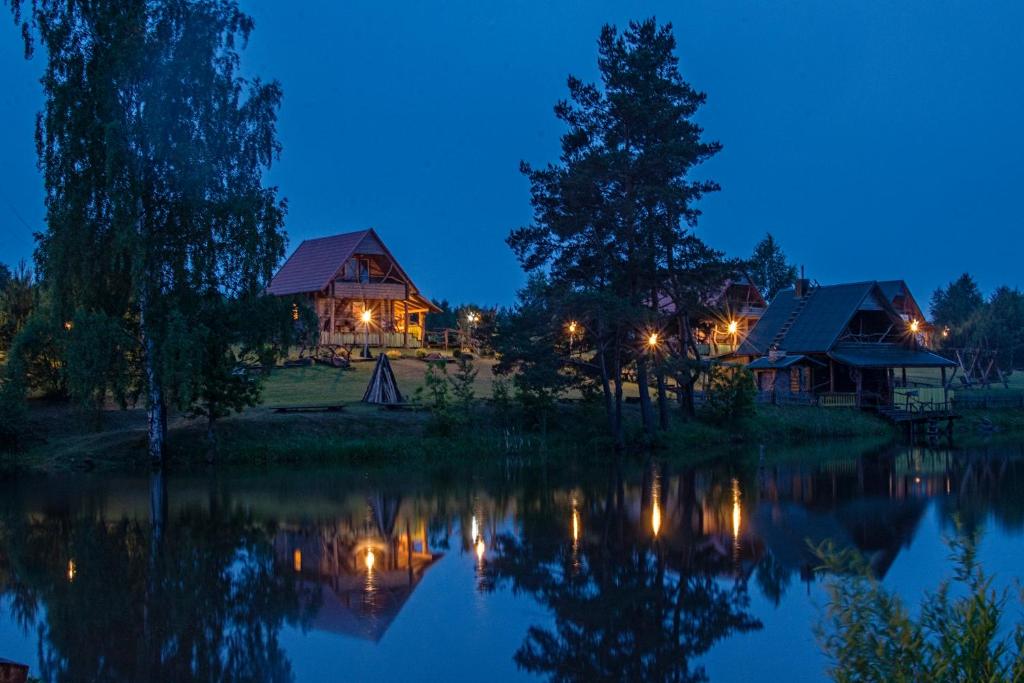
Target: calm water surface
{"points": [[494, 572]]}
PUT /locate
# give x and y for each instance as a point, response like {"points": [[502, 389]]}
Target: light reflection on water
{"points": [[645, 571]]}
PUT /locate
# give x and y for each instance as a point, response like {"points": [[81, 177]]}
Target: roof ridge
{"points": [[340, 234]]}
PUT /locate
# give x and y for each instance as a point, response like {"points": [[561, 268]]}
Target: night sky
{"points": [[875, 139]]}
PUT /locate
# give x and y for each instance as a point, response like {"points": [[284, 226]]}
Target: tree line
{"points": [[965, 318]]}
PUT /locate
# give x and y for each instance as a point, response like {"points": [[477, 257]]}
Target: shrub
{"points": [[421, 353], [462, 385], [437, 395], [730, 394], [393, 354], [870, 635]]}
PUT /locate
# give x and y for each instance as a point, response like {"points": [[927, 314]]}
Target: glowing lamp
{"points": [[295, 311], [370, 559], [733, 326], [572, 327], [68, 325], [945, 332], [367, 316], [71, 570], [652, 340], [914, 326]]}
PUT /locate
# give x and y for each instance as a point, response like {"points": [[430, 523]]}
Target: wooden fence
{"points": [[964, 400]]}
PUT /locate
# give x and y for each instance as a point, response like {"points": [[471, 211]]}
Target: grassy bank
{"points": [[64, 437]]}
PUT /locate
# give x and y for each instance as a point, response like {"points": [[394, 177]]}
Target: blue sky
{"points": [[875, 139]]}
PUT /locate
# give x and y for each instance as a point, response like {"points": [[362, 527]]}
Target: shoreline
{"points": [[362, 434]]}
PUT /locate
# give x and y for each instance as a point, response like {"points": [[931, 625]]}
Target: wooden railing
{"points": [[922, 399], [837, 400]]}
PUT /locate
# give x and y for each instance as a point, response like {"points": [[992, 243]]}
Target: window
{"points": [[364, 270]]}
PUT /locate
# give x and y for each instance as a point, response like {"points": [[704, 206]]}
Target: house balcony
{"points": [[348, 289]]}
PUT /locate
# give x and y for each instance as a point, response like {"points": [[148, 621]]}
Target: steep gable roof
{"points": [[815, 321], [898, 294], [311, 266]]}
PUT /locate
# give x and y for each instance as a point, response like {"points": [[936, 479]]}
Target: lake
{"points": [[494, 571]]}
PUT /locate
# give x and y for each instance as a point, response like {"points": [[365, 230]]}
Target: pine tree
{"points": [[620, 200], [770, 270]]}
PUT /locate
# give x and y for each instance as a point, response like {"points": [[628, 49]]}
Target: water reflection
{"points": [[640, 569]]}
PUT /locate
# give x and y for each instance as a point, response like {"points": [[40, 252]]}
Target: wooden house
{"points": [[358, 289], [839, 344], [898, 294], [730, 312]]}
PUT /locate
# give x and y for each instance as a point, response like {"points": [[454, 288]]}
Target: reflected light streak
{"points": [[474, 530], [656, 517], [480, 548], [736, 512], [370, 559], [71, 570], [297, 560]]}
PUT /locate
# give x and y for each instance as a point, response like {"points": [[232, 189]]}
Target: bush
{"points": [[437, 395], [393, 354], [870, 635], [421, 353], [730, 395]]}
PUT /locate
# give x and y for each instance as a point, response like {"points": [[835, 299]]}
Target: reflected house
{"points": [[364, 572], [709, 524]]}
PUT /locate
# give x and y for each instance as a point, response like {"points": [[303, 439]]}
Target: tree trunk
{"points": [[156, 410], [211, 434], [662, 400], [687, 343], [646, 411], [619, 437]]}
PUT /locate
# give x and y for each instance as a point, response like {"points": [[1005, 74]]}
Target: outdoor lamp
{"points": [[914, 326], [367, 316], [652, 340]]}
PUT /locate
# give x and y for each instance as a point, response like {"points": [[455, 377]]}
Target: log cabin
{"points": [[840, 345], [358, 290]]}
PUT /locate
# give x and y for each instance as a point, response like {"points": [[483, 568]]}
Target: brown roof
{"points": [[314, 263]]}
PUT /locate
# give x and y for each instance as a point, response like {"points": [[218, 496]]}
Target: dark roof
{"points": [[765, 362], [821, 317], [311, 267], [886, 356], [893, 288]]}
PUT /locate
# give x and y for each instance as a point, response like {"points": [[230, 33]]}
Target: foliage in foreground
{"points": [[870, 635]]}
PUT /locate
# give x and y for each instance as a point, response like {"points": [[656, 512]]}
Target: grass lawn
{"points": [[321, 385]]}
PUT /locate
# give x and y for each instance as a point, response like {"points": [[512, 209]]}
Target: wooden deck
{"points": [[902, 416]]}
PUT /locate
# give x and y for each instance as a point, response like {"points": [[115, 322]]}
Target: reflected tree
{"points": [[625, 606], [196, 599]]}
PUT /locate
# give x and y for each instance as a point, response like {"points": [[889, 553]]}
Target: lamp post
{"points": [[471, 319], [366, 317]]}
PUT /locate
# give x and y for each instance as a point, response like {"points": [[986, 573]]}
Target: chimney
{"points": [[803, 285]]}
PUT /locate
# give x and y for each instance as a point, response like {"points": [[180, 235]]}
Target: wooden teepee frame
{"points": [[383, 387]]}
